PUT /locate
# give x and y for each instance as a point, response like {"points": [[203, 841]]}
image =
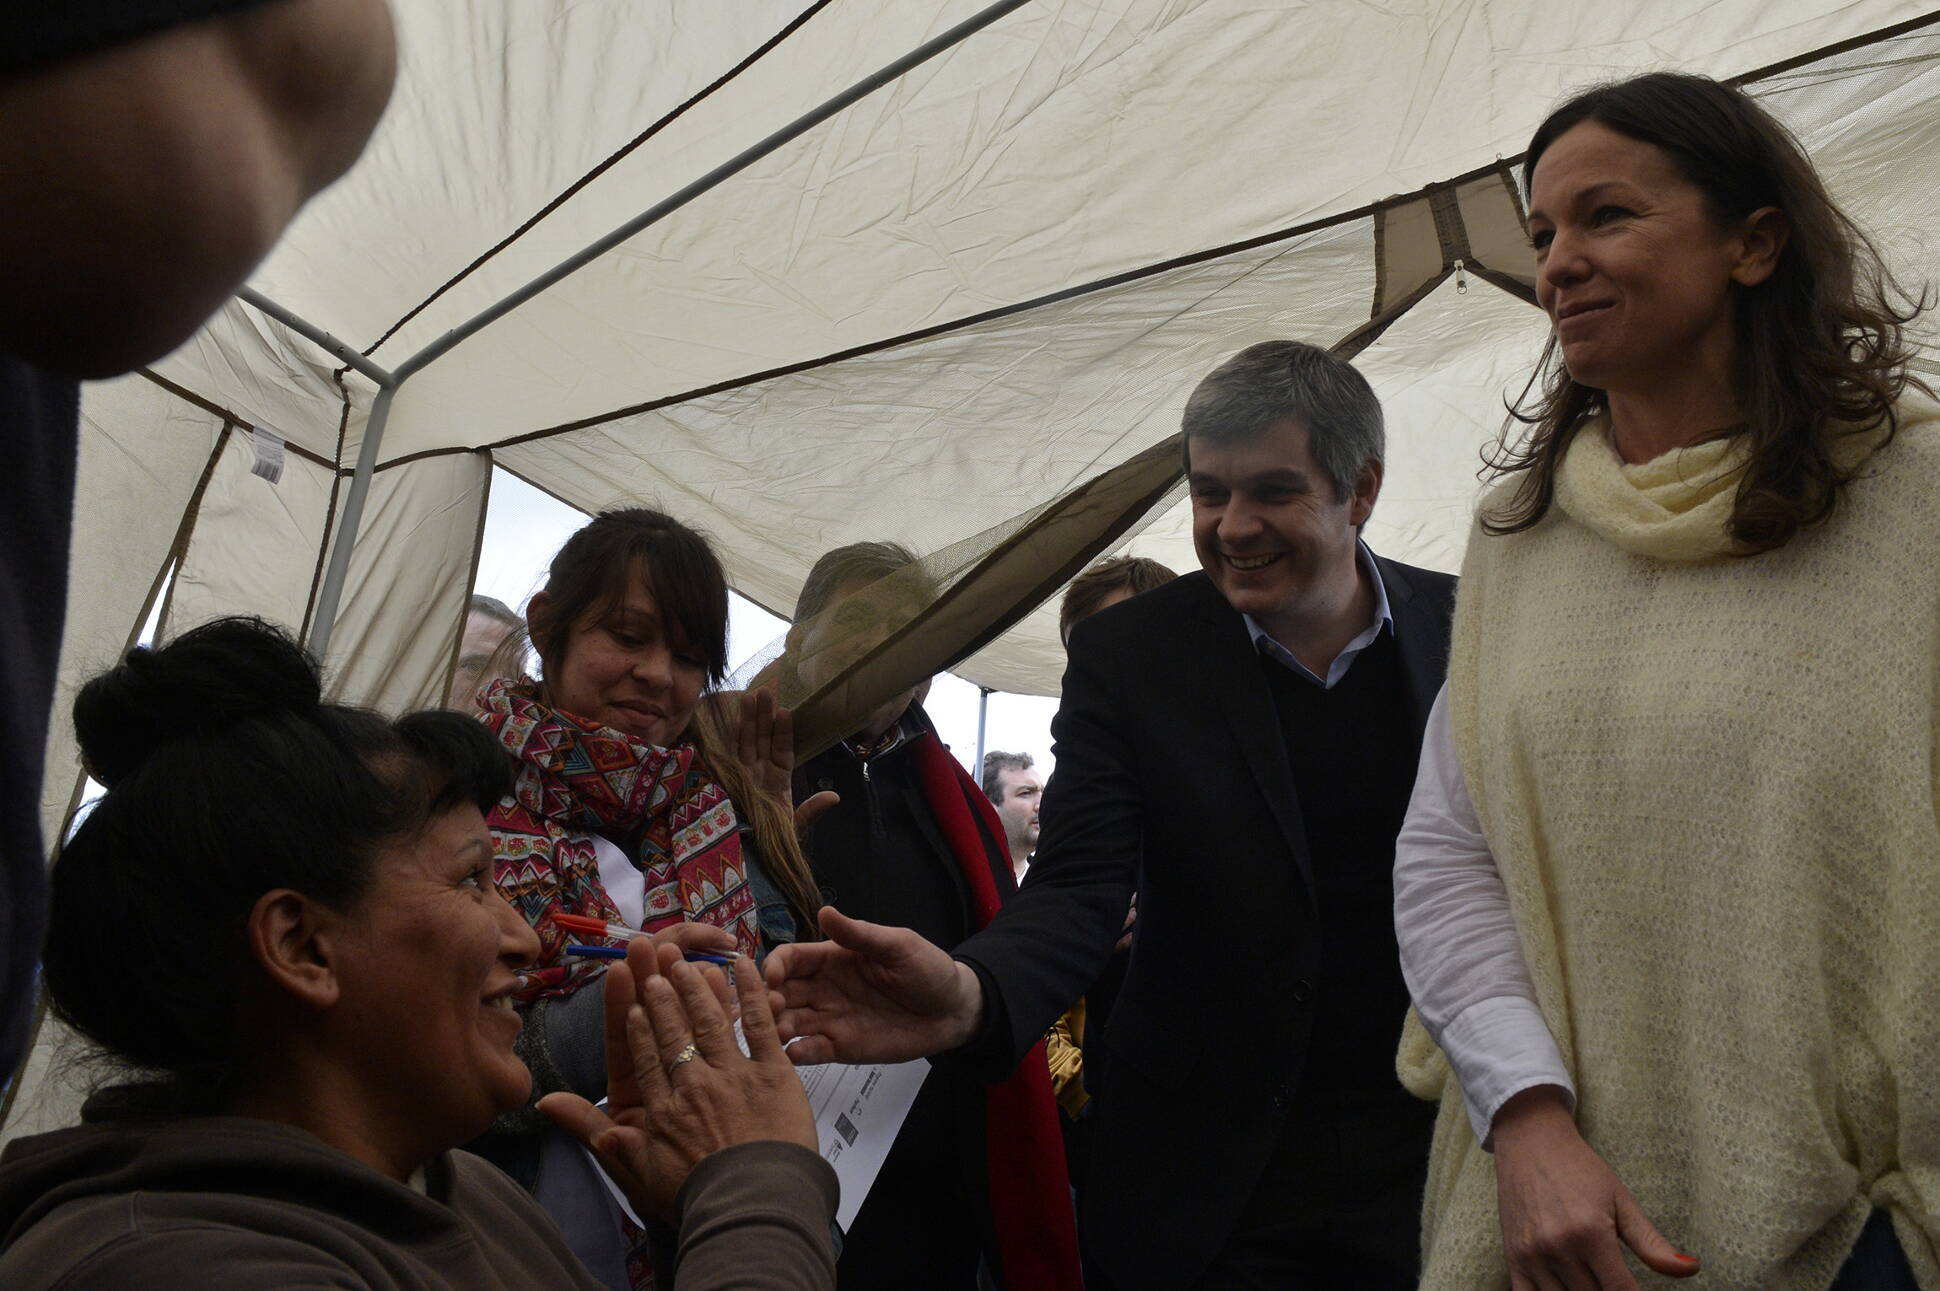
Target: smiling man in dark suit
{"points": [[1251, 731]]}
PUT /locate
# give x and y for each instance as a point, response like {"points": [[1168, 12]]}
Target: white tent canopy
{"points": [[963, 295]]}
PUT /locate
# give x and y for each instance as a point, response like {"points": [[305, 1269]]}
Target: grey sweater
{"points": [[221, 1203]]}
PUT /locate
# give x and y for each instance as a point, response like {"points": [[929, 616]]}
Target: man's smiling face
{"points": [[1267, 524]]}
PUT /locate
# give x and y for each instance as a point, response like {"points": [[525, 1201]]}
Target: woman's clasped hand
{"points": [[1566, 1217], [679, 1086]]}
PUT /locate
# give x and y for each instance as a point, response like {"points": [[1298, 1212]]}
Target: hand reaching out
{"points": [[1566, 1217], [668, 1108], [871, 994]]}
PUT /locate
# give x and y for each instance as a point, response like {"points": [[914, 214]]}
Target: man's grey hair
{"points": [[493, 607], [994, 766], [859, 564], [1269, 382]]}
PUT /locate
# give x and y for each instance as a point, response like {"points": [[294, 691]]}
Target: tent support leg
{"points": [[983, 718], [325, 616]]}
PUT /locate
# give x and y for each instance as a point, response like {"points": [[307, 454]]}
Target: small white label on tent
{"points": [[269, 454]]}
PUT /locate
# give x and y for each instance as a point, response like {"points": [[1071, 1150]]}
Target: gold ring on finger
{"points": [[688, 1054]]}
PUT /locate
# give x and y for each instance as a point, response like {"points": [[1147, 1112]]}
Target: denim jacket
{"points": [[771, 908]]}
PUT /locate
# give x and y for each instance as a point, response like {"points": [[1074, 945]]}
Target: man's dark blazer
{"points": [[1168, 746]]}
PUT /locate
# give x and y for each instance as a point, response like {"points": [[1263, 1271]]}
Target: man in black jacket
{"points": [[1251, 731]]}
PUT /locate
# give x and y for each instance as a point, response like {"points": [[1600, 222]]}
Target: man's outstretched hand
{"points": [[871, 993]]}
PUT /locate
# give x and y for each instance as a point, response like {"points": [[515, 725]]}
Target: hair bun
{"points": [[205, 681]]}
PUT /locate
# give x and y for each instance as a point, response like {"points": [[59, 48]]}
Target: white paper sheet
{"points": [[858, 1112]]}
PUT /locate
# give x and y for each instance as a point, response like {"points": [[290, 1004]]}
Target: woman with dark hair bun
{"points": [[639, 799], [280, 923], [1667, 892]]}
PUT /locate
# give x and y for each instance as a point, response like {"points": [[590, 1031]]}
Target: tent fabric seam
{"points": [[228, 415], [1380, 265], [986, 316], [178, 550], [471, 577], [566, 194], [1833, 50], [1451, 230]]}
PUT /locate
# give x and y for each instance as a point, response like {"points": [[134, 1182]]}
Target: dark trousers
{"points": [[1877, 1263], [1339, 1205], [918, 1227]]}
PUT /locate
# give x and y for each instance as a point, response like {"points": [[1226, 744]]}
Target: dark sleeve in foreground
{"points": [[39, 411], [202, 1257], [41, 33], [563, 1043], [1051, 941], [756, 1217]]}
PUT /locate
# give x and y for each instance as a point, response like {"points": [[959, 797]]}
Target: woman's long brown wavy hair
{"points": [[1821, 348]]}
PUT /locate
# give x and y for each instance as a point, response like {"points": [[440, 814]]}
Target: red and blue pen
{"points": [[600, 928]]}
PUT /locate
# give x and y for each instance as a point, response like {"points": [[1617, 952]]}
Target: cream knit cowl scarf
{"points": [[1708, 781]]}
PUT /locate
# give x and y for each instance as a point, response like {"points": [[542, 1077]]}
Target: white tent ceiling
{"points": [[949, 304]]}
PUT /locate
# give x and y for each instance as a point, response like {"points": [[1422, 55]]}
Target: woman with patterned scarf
{"points": [[637, 800]]}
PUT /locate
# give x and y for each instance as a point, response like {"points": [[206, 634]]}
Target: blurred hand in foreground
{"points": [[871, 994], [708, 937], [665, 1112], [764, 741]]}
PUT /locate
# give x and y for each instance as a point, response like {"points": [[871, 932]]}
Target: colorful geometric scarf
{"points": [[576, 780]]}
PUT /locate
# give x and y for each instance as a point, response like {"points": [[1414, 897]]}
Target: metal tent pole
{"points": [[325, 617], [389, 381], [324, 621], [983, 717], [384, 377]]}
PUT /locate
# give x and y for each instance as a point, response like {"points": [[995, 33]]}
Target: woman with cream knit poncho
{"points": [[1669, 892]]}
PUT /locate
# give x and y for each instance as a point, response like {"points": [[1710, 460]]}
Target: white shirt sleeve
{"points": [[1460, 952]]}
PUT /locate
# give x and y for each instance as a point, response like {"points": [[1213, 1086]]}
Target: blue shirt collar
{"points": [[1383, 617]]}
